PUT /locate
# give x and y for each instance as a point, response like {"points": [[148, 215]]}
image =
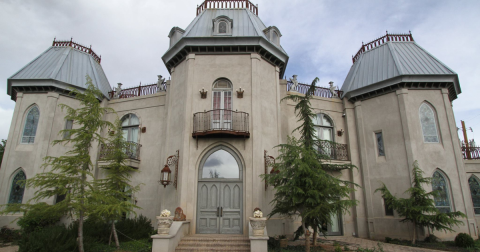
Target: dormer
{"points": [[175, 35], [222, 26], [273, 35]]}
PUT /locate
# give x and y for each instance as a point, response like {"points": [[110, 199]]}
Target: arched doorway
{"points": [[220, 197]]}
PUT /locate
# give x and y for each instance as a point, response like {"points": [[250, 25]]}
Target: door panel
{"points": [[207, 219], [226, 198], [231, 220]]}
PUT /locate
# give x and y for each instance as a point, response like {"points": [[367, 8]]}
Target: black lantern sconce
{"points": [[166, 176], [166, 173], [340, 132]]}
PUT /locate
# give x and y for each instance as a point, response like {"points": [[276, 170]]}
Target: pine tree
{"points": [[419, 208], [115, 200], [304, 186], [71, 174]]}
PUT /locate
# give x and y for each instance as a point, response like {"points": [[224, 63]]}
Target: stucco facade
{"points": [[166, 122]]}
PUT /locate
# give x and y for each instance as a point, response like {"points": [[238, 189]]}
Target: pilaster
{"points": [[402, 97]]}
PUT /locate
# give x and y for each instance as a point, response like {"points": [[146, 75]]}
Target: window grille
{"points": [[17, 190], [475, 193], [30, 127], [442, 199], [429, 125]]}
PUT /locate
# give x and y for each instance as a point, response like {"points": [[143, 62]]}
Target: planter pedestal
{"points": [[258, 225], [164, 224]]}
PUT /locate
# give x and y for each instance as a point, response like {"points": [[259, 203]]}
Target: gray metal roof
{"points": [[394, 62], [247, 30], [66, 66]]}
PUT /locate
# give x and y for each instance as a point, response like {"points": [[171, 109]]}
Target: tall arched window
{"points": [[17, 190], [442, 199], [323, 126], [30, 126], [475, 192], [130, 126], [428, 122], [222, 104]]}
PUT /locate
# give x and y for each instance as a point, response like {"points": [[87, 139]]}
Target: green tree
{"points": [[419, 208], [115, 199], [304, 186], [3, 144], [71, 174]]}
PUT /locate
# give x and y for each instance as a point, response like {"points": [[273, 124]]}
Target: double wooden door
{"points": [[219, 207]]}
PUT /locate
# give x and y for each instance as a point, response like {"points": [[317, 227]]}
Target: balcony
{"points": [[334, 151], [220, 123], [132, 152], [471, 152]]}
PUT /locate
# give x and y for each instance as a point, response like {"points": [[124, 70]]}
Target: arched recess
{"points": [[428, 123], [440, 183], [220, 192], [17, 191], [474, 184], [30, 124]]}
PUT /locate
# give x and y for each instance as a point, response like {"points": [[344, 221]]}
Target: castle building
{"points": [[216, 122]]}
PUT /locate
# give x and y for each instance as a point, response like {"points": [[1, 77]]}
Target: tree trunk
{"points": [[314, 237], [307, 236], [115, 235], [414, 230], [80, 232]]}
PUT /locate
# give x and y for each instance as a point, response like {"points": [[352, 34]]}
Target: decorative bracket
{"points": [[173, 160], [269, 162]]}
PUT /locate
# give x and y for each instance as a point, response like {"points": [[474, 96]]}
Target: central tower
{"points": [[236, 62]]}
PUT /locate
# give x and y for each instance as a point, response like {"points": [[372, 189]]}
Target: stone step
{"points": [[214, 243], [205, 249]]}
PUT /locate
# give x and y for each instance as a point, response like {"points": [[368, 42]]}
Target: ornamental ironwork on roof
{"points": [[62, 66], [396, 61], [227, 4]]}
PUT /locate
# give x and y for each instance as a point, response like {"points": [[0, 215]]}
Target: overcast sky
{"points": [[319, 36]]}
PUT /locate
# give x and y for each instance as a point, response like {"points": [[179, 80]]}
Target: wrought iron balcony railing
{"points": [[471, 152], [132, 151], [335, 151], [222, 122]]}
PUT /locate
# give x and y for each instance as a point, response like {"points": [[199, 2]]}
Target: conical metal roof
{"points": [[64, 65], [390, 62]]}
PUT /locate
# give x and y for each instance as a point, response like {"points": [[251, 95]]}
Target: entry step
{"points": [[214, 243]]}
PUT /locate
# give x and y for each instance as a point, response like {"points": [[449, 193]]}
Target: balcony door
{"points": [[324, 128], [222, 105], [130, 127]]}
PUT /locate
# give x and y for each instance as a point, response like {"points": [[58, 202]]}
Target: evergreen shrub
{"points": [[431, 238], [136, 228], [48, 239], [39, 216], [464, 240]]}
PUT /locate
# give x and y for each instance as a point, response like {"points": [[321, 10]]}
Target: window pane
{"points": [[60, 198], [68, 126], [222, 27], [379, 137], [134, 120], [442, 199], [388, 209], [429, 127], [221, 164], [475, 192], [30, 128], [16, 191], [326, 121]]}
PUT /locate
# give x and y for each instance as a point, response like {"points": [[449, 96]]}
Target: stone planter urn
{"points": [[164, 224], [258, 225]]}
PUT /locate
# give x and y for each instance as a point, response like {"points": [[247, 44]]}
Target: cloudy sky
{"points": [[320, 37]]}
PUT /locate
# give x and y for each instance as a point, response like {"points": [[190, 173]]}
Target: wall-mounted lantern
{"points": [[340, 132], [240, 92], [203, 93], [144, 129], [274, 171], [166, 176]]}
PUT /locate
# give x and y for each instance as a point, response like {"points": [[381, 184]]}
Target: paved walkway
{"points": [[354, 243], [9, 249]]}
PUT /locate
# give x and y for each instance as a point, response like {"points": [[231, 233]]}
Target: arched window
{"points": [[130, 126], [221, 164], [323, 126], [222, 104], [30, 126], [222, 27], [475, 192], [429, 125], [17, 190], [442, 199]]}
